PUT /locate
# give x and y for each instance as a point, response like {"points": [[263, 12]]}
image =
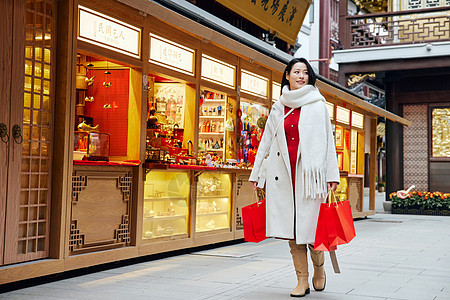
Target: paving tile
{"points": [[387, 260], [371, 288]]}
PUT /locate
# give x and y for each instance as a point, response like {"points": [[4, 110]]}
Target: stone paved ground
{"points": [[392, 257]]}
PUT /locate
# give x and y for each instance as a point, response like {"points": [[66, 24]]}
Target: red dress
{"points": [[292, 138]]}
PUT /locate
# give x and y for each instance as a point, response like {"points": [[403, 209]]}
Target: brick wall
{"points": [[415, 147]]}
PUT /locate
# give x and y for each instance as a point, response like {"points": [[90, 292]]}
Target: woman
{"points": [[297, 161]]}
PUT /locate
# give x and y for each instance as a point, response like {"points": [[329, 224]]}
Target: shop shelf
{"points": [[165, 199], [163, 218], [226, 197], [171, 236], [211, 133], [212, 213], [212, 117], [213, 100], [220, 229]]}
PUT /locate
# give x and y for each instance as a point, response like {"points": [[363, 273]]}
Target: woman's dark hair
{"points": [[311, 74]]}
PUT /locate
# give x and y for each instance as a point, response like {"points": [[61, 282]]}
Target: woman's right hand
{"points": [[255, 185]]}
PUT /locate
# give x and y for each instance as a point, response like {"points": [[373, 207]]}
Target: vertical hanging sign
{"points": [[107, 32], [353, 151]]}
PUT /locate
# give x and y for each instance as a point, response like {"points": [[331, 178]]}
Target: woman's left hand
{"points": [[332, 185]]}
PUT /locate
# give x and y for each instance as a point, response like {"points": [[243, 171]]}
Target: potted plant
{"points": [[381, 187]]}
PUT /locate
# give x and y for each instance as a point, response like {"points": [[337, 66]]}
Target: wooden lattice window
{"points": [[37, 118]]}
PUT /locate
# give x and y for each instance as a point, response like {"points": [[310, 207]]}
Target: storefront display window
{"points": [[253, 121], [170, 101], [349, 141], [170, 112], [213, 202], [104, 112], [441, 132], [212, 122], [166, 205]]}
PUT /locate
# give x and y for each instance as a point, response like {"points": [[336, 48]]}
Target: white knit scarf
{"points": [[313, 137]]}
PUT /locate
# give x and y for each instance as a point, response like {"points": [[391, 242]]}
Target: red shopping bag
{"points": [[322, 242], [336, 235], [254, 221], [334, 225], [344, 214]]}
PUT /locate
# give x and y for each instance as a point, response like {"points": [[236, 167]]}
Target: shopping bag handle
{"points": [[255, 192], [331, 197]]}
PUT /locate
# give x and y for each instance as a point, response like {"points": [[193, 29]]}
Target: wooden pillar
{"points": [[372, 162], [62, 169], [394, 142], [344, 30], [324, 38]]}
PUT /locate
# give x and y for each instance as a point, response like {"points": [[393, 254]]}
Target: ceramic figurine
{"points": [[85, 127]]}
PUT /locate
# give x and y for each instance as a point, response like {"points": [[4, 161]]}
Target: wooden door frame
{"points": [[6, 21], [16, 117], [28, 215]]}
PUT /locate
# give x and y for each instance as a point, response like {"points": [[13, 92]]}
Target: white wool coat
{"points": [[282, 208]]}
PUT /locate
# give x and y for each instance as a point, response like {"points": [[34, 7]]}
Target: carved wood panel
{"points": [[100, 210], [355, 194], [244, 196]]}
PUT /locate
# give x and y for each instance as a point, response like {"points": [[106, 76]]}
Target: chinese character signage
{"points": [[217, 71], [343, 115], [330, 107], [353, 151], [254, 84], [172, 55], [107, 32], [284, 17], [357, 120], [276, 91]]}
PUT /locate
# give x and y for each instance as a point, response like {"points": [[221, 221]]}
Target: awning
{"points": [[248, 46]]}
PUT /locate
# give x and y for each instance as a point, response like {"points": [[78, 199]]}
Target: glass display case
{"points": [[91, 146], [213, 202], [212, 116], [253, 121], [166, 205]]}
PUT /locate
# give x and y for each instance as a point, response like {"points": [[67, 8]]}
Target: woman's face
{"points": [[298, 77]]}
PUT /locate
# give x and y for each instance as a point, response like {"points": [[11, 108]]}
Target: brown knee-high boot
{"points": [[318, 259], [300, 258]]}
